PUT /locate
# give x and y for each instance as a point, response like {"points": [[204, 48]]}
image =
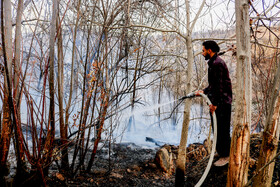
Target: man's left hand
{"points": [[212, 108]]}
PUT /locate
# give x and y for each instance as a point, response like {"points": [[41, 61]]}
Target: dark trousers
{"points": [[223, 114]]}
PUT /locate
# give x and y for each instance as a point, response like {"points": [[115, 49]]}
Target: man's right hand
{"points": [[198, 92]]}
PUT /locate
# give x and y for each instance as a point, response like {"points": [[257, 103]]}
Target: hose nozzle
{"points": [[190, 95]]}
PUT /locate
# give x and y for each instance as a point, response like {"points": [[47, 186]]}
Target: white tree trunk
{"points": [[181, 161], [18, 40], [6, 121], [240, 144], [8, 35]]}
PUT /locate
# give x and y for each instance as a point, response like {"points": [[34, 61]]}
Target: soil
{"points": [[132, 165]]}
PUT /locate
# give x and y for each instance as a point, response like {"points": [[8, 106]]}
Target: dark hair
{"points": [[211, 45]]}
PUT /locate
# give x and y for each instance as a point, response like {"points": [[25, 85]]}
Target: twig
{"points": [[272, 160]]}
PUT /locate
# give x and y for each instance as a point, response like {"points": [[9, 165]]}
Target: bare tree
{"points": [[60, 87], [48, 147], [6, 31], [180, 165], [239, 152], [270, 137]]}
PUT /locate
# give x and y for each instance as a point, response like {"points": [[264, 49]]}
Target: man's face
{"points": [[205, 53]]}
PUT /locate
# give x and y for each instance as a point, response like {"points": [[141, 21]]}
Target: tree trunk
{"points": [[18, 40], [7, 49], [101, 120], [5, 135], [181, 161], [48, 147], [105, 94], [240, 144], [17, 69], [21, 170], [60, 87], [131, 121], [10, 118], [67, 113], [178, 84], [86, 97], [270, 137]]}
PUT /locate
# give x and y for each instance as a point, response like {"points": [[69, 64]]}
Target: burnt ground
{"points": [[131, 165]]}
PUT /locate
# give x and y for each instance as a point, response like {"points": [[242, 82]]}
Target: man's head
{"points": [[209, 49]]}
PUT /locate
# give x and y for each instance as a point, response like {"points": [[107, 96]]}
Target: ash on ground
{"points": [[132, 165]]}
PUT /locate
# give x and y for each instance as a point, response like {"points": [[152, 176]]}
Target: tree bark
{"points": [[10, 116], [270, 137], [67, 114], [48, 147], [21, 171], [239, 154], [181, 161], [105, 95], [6, 122], [17, 70], [18, 40], [60, 87]]}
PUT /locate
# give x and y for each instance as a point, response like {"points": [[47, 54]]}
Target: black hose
{"points": [[191, 95]]}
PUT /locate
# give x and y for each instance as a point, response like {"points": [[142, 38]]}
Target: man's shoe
{"points": [[216, 155], [222, 162]]}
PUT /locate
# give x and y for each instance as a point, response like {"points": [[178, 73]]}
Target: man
{"points": [[219, 91]]}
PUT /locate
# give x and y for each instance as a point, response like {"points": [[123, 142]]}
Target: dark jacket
{"points": [[219, 89]]}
